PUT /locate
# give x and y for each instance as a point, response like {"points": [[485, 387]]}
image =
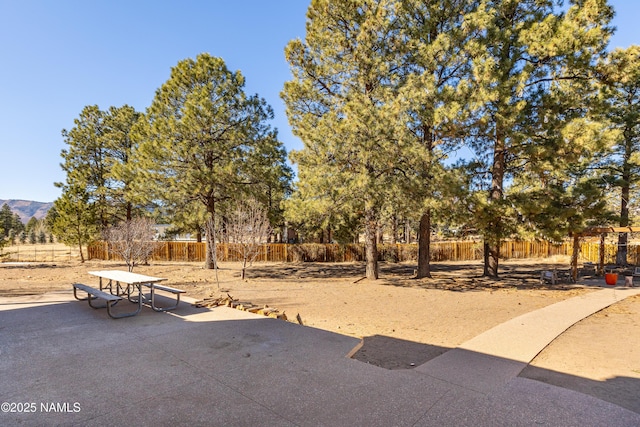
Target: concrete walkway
{"points": [[62, 363], [507, 348]]}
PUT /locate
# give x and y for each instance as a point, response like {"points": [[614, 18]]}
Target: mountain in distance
{"points": [[27, 209]]}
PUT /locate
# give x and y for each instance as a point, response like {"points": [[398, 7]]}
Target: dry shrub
{"points": [[132, 240], [247, 229]]}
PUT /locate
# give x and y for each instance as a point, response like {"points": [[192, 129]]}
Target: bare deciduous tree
{"points": [[133, 240], [246, 229]]}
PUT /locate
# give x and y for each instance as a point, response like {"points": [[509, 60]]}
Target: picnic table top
{"points": [[126, 277]]}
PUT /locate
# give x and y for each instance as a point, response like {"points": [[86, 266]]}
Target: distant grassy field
{"points": [[39, 252]]}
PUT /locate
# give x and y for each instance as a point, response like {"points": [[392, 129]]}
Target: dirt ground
{"points": [[404, 322]]}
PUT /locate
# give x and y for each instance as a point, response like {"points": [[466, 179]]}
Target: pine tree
{"points": [[190, 218], [620, 102], [17, 224], [6, 220], [85, 160], [342, 103], [119, 147], [438, 49], [74, 219], [528, 46], [31, 224], [10, 222], [99, 146], [204, 140]]}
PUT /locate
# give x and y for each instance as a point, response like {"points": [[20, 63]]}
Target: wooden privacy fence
{"points": [[315, 252]]}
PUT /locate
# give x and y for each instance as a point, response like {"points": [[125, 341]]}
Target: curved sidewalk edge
{"points": [[498, 355]]}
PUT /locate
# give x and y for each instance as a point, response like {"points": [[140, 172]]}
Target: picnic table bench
{"points": [[93, 293], [169, 289], [555, 276], [121, 284]]}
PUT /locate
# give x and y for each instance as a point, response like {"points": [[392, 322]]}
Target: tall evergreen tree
{"points": [[190, 218], [4, 233], [342, 103], [31, 225], [620, 103], [203, 139], [85, 160], [438, 49], [18, 226], [119, 147], [6, 220], [99, 145], [529, 44], [565, 193], [74, 218]]}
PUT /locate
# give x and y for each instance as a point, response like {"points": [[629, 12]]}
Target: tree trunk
{"points": [[574, 257], [394, 230], [494, 256], [244, 268], [326, 235], [424, 228], [224, 235], [621, 255], [371, 248], [80, 243], [494, 231], [424, 245], [601, 254], [485, 255], [211, 259]]}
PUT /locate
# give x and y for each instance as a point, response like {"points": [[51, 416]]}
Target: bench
{"points": [[549, 276], [155, 287], [93, 293], [556, 276], [588, 268]]}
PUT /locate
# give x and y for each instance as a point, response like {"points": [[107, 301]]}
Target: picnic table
{"points": [[115, 285]]}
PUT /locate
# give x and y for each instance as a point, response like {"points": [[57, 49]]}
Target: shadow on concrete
{"points": [[227, 367], [622, 391], [187, 367], [393, 353]]}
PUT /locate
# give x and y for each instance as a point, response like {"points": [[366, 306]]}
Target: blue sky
{"points": [[59, 56]]}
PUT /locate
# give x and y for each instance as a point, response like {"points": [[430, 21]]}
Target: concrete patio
{"points": [[226, 367]]}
